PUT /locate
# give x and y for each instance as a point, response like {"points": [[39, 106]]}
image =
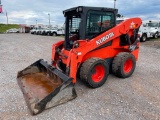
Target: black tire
{"points": [[51, 34], [123, 65], [54, 34], [156, 35], [143, 38], [46, 33], [88, 71]]}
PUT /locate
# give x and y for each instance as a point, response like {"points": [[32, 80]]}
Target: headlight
{"points": [[79, 9]]}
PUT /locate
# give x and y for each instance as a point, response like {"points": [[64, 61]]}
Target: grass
{"points": [[4, 27], [153, 39]]}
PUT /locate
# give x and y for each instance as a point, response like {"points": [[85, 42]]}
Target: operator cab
{"points": [[87, 22]]}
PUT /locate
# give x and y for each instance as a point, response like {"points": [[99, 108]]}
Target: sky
{"points": [[30, 11]]}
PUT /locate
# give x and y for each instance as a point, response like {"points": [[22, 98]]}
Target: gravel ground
{"points": [[152, 42], [134, 98]]}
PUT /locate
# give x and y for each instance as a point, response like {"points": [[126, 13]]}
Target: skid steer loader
{"points": [[93, 46]]}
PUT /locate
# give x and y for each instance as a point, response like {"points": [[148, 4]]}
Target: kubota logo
{"points": [[103, 39]]}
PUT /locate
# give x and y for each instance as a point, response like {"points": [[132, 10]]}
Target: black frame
{"points": [[82, 11]]}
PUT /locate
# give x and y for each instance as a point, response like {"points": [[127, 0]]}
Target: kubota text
{"points": [[103, 39]]}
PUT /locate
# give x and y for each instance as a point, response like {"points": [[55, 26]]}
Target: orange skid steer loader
{"points": [[94, 45]]}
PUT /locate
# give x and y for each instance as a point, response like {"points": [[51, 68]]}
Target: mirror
{"points": [[144, 25]]}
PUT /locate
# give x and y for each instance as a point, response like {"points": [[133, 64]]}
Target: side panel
{"points": [[110, 51], [107, 52]]}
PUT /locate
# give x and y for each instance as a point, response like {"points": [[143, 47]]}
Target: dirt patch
{"points": [[152, 43], [39, 85]]}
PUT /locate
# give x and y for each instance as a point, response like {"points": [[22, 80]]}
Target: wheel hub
{"points": [[98, 73], [128, 66]]}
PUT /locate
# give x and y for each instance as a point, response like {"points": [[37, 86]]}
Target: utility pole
{"points": [[114, 4], [7, 17], [36, 22], [49, 19]]}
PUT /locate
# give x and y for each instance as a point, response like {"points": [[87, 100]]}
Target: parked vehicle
{"points": [[41, 31], [48, 31], [149, 29], [36, 32], [120, 19], [33, 30], [60, 32], [13, 30], [55, 32]]}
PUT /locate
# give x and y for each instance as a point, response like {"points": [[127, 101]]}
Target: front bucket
{"points": [[44, 86]]}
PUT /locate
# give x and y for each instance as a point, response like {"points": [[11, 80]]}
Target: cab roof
{"points": [[80, 9]]}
